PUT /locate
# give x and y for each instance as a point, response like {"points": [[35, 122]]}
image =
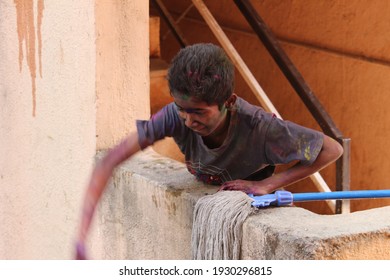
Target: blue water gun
{"points": [[281, 198]]}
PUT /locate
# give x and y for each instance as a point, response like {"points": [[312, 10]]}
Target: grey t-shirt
{"points": [[256, 141]]}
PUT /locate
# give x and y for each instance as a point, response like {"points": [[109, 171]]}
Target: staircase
{"points": [[159, 91]]}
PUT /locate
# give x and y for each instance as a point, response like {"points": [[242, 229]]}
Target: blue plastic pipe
{"points": [[341, 195], [280, 198]]}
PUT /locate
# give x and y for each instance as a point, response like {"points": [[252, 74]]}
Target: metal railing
{"points": [[291, 73]]}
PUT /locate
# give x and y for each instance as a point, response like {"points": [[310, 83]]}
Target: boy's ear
{"points": [[231, 101]]}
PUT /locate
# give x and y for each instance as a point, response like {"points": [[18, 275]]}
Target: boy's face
{"points": [[202, 118]]}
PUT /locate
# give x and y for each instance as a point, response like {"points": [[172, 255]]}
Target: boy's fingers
{"points": [[233, 185]]}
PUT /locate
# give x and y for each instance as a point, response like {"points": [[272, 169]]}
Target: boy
{"points": [[226, 141]]}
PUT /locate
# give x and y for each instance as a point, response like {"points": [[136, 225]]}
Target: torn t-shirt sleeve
{"points": [[165, 122], [286, 142]]}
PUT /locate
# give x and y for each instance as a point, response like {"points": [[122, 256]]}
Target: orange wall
{"points": [[341, 49]]}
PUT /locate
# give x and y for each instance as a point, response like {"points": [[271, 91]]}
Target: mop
{"points": [[217, 225]]}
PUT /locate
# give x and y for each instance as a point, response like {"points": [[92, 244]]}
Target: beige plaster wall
{"points": [[341, 49], [122, 68], [70, 71], [47, 123]]}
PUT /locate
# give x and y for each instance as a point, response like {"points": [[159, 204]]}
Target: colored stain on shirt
{"points": [[307, 153]]}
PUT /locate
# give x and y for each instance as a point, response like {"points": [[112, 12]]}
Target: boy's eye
{"points": [[181, 110], [197, 113]]}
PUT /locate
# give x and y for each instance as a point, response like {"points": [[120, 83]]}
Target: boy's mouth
{"points": [[199, 129]]}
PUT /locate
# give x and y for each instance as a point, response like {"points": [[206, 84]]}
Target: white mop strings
{"points": [[217, 225]]}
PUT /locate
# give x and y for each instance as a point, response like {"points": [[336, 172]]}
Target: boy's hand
{"points": [[249, 187]]}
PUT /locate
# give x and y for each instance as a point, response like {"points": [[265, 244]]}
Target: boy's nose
{"points": [[191, 122], [188, 120]]}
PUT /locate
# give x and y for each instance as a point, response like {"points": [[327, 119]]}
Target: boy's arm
{"points": [[98, 182], [331, 151]]}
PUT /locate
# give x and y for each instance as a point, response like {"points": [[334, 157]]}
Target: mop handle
{"points": [[280, 198]]}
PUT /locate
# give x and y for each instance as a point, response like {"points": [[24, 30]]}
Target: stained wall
{"points": [[57, 75], [47, 123]]}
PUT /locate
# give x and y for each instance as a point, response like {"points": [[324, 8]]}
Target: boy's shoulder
{"points": [[252, 114]]}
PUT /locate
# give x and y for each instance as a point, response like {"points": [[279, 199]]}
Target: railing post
{"points": [[343, 176]]}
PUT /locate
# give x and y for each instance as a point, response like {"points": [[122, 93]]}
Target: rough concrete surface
{"points": [[295, 233], [147, 214]]}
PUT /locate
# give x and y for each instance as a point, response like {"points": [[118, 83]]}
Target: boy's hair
{"points": [[202, 71]]}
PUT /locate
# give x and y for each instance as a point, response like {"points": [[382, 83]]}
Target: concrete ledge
{"points": [[147, 214]]}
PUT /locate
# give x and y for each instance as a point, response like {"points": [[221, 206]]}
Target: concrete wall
{"points": [[341, 49], [152, 219], [56, 56]]}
